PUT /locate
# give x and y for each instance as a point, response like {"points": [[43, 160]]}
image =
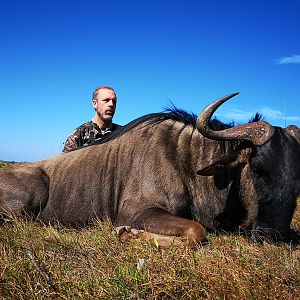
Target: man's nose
{"points": [[111, 103]]}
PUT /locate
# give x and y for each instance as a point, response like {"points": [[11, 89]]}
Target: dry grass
{"points": [[39, 262]]}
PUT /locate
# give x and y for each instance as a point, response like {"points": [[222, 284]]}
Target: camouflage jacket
{"points": [[87, 134]]}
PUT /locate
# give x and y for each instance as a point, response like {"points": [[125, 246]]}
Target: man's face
{"points": [[105, 104]]}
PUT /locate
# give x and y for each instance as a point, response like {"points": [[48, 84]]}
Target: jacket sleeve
{"points": [[71, 143]]}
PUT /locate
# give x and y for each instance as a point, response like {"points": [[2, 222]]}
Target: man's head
{"points": [[104, 103]]}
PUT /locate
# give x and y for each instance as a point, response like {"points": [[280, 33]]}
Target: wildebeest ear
{"points": [[225, 163]]}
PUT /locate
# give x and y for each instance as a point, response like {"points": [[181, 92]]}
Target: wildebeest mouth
{"points": [[257, 133]]}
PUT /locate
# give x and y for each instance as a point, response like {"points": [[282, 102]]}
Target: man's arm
{"points": [[70, 143]]}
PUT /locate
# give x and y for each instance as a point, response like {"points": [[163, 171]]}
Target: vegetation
{"points": [[41, 262], [2, 163]]}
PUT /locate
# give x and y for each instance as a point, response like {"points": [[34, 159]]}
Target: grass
{"points": [[2, 163], [41, 262]]}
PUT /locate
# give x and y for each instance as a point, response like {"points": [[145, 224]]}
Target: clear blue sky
{"points": [[54, 53]]}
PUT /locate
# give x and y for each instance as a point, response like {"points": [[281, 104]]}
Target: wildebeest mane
{"points": [[171, 113]]}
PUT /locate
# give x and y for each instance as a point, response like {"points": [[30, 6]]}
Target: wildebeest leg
{"points": [[165, 227]]}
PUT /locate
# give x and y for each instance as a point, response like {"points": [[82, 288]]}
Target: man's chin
{"points": [[107, 117]]}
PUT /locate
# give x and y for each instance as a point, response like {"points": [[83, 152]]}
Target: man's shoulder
{"points": [[83, 127]]}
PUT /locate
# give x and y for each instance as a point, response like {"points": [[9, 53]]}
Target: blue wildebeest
{"points": [[170, 174]]}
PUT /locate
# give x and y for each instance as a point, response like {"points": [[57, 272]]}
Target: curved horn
{"points": [[257, 132]]}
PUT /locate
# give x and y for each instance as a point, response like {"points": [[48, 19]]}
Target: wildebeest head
{"points": [[270, 161]]}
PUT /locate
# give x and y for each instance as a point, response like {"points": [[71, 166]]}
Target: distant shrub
{"points": [[2, 164]]}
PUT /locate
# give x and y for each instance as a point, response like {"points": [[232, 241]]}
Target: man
{"points": [[104, 103]]}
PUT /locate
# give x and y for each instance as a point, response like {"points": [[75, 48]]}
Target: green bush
{"points": [[2, 164]]}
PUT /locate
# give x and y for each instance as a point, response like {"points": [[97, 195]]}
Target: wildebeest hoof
{"points": [[121, 229], [126, 232]]}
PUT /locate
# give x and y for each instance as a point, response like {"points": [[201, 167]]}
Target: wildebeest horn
{"points": [[257, 132]]}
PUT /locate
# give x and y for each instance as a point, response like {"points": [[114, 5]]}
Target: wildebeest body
{"points": [[121, 179], [146, 177]]}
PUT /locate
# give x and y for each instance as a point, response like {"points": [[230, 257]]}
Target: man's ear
{"points": [[226, 163]]}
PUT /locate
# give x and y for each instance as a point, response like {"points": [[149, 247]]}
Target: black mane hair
{"points": [[172, 113]]}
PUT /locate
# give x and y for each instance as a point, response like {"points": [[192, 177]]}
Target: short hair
{"points": [[101, 88]]}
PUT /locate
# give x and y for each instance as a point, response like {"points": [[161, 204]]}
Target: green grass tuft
{"points": [[2, 164]]}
